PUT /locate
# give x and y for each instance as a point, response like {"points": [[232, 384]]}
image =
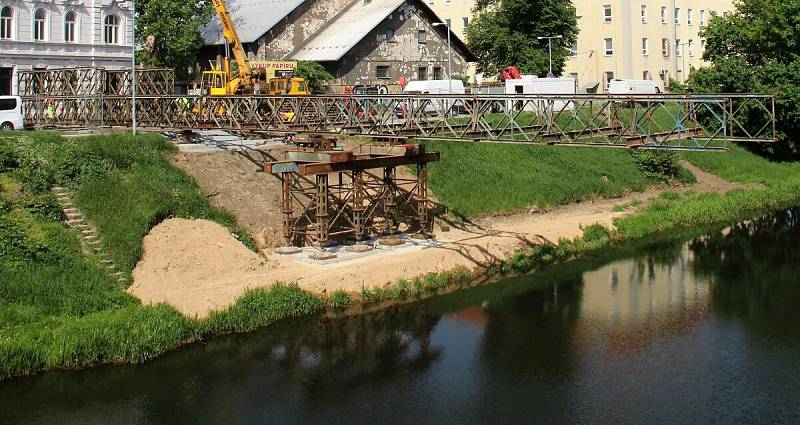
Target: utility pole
{"points": [[550, 52], [449, 57], [133, 66]]}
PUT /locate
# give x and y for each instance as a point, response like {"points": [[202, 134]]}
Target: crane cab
{"points": [[288, 86], [215, 83]]}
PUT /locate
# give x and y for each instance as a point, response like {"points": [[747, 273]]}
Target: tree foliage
{"points": [[504, 34], [315, 75], [756, 48], [169, 31]]}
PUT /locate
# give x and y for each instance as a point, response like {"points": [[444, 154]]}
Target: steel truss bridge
{"points": [[693, 122]]}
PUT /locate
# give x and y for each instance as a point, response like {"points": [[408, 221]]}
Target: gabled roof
{"points": [[346, 30], [252, 19]]}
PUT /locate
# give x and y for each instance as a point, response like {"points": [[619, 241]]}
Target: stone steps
{"points": [[91, 244]]}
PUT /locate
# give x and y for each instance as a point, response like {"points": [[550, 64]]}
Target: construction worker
{"points": [[50, 110]]}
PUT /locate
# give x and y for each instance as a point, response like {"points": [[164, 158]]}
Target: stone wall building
{"points": [[69, 33], [367, 42]]}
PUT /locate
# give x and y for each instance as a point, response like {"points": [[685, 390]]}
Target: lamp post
{"points": [[449, 57], [133, 66], [550, 51]]}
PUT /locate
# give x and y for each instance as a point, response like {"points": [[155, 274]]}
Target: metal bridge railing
{"points": [[646, 121]]}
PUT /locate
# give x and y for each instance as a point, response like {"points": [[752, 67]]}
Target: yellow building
{"points": [[629, 39], [639, 39], [457, 13]]}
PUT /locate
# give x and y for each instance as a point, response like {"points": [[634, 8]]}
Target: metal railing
{"points": [[645, 121]]}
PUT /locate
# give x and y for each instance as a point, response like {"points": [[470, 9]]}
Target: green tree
{"points": [[504, 34], [756, 49], [315, 75], [169, 31]]}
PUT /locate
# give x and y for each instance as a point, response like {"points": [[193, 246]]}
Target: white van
{"points": [[632, 87], [11, 113], [432, 87]]}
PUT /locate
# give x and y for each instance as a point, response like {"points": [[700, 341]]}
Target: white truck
{"points": [[618, 86], [530, 84]]}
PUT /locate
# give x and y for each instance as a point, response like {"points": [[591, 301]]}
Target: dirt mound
{"points": [[199, 259], [231, 181]]}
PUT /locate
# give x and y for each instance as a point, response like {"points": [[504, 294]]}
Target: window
{"points": [[39, 18], [448, 1], [702, 44], [702, 17], [465, 21], [677, 16], [644, 13], [678, 48], [390, 36], [111, 29], [645, 46], [665, 47], [8, 104], [607, 13], [688, 16], [437, 72], [422, 73], [573, 49], [6, 23], [646, 75], [663, 15], [609, 77], [382, 71], [664, 74], [574, 76], [422, 36], [690, 47], [609, 46], [69, 27]]}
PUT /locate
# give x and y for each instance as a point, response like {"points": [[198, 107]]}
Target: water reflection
{"points": [[687, 332]]}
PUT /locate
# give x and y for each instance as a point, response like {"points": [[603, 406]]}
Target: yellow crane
{"points": [[222, 82]]}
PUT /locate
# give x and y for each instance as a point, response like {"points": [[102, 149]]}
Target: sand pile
{"points": [[198, 259]]}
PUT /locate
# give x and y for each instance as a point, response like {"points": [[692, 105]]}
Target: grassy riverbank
{"points": [[59, 307]]}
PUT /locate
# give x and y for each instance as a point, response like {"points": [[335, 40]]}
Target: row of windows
{"points": [[384, 72], [608, 15], [40, 17], [608, 47]]}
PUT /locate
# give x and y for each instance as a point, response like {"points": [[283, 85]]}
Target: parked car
{"points": [[11, 113]]}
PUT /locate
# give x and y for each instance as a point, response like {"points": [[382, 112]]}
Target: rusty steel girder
{"points": [[332, 196]]}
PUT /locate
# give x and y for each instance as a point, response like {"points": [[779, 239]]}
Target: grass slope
{"points": [[480, 178], [58, 307]]}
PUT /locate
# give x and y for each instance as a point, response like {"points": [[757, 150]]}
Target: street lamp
{"points": [[550, 51], [449, 56], [133, 66]]}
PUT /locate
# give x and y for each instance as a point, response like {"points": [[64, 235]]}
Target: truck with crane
{"points": [[222, 81]]}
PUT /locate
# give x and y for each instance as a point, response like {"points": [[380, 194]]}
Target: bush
{"points": [[657, 165], [340, 300]]}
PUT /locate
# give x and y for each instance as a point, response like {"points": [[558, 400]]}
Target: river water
{"points": [[671, 332]]}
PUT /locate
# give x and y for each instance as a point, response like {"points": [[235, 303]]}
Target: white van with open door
{"points": [[11, 113]]}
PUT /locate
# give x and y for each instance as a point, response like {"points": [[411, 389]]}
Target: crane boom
{"points": [[229, 31]]}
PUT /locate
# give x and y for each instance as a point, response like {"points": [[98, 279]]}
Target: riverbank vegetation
{"points": [[58, 306]]}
